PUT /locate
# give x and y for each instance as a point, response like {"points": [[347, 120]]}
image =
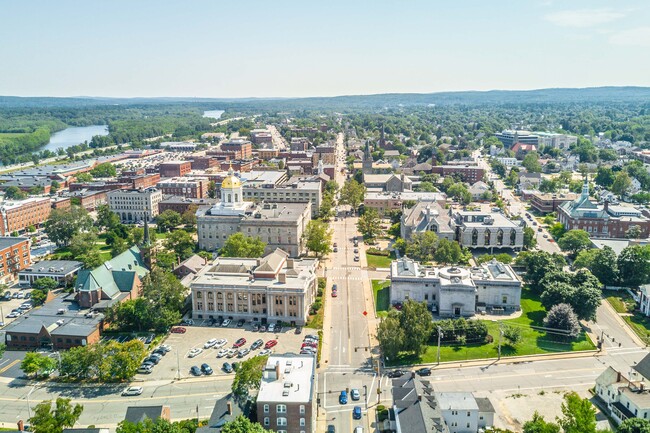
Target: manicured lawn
{"points": [[534, 340], [381, 290], [623, 303], [375, 261], [620, 300]]}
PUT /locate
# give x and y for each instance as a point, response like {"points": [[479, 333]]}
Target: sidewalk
{"points": [[617, 317]]}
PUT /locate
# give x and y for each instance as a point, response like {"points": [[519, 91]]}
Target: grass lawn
{"points": [[534, 341], [620, 300], [381, 289], [623, 303], [375, 261]]}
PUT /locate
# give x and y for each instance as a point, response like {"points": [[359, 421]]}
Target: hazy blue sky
{"points": [[214, 48]]}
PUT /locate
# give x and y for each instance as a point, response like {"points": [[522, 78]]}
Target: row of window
{"points": [[282, 408]]}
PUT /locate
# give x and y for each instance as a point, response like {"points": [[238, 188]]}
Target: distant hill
{"points": [[540, 96]]}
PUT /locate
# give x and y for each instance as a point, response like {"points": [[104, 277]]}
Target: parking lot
{"points": [[196, 336], [7, 306]]}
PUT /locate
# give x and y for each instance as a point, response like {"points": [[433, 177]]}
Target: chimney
{"points": [[21, 425], [289, 263], [229, 406], [278, 372], [282, 278]]}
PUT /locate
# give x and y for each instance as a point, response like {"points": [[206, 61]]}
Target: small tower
{"points": [[366, 166], [231, 190]]}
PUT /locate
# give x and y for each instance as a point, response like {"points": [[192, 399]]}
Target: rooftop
{"points": [[59, 267], [8, 242], [287, 378], [456, 401]]}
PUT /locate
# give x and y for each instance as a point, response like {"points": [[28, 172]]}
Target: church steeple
{"points": [[585, 188], [366, 166]]}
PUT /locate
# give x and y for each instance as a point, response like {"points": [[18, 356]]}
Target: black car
{"points": [[205, 368], [196, 371], [331, 429], [227, 367], [240, 323], [395, 373], [219, 321], [149, 339], [424, 372], [153, 359]]}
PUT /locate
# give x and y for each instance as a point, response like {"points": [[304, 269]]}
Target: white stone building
{"points": [[273, 288], [456, 291], [135, 205], [491, 230]]}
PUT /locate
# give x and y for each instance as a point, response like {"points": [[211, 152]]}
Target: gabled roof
{"points": [[114, 276], [272, 262], [136, 414], [643, 367]]}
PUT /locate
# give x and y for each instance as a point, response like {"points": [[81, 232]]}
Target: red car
{"points": [[314, 345], [178, 330], [270, 344], [334, 294], [239, 343]]}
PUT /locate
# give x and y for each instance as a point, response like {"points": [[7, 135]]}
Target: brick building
{"points": [[239, 165], [549, 202], [261, 136], [14, 257], [204, 162], [175, 168], [182, 204], [16, 216], [244, 147], [185, 187], [468, 173]]}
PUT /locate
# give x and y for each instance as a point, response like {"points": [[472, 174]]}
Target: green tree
{"points": [[427, 187], [327, 205], [38, 297], [180, 242], [622, 183], [45, 284], [63, 224], [241, 424], [3, 347], [448, 252], [585, 259], [54, 187], [119, 246], [460, 192], [369, 224], [248, 376], [168, 220], [53, 420], [417, 322], [557, 230], [529, 238], [604, 177], [422, 246], [318, 237], [91, 258], [531, 162], [574, 241], [14, 193], [83, 242], [634, 425], [166, 259], [212, 189], [562, 317], [84, 177], [240, 245], [105, 169], [353, 193], [539, 425], [106, 218], [189, 216], [512, 334], [634, 265], [538, 265], [37, 364], [634, 232], [391, 335], [579, 415], [604, 266]]}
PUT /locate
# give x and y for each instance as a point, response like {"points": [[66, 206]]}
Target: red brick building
{"points": [[175, 168], [17, 216], [468, 173], [238, 145], [204, 162], [239, 165], [14, 257], [185, 187], [549, 202]]}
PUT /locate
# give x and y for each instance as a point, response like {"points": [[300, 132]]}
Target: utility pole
{"points": [[439, 336]]}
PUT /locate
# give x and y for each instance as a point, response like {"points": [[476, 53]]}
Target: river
{"points": [[73, 136], [215, 114]]}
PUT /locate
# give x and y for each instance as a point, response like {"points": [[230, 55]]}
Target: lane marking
{"points": [[11, 364]]}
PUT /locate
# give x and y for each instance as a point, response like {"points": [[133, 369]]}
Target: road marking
{"points": [[11, 364]]}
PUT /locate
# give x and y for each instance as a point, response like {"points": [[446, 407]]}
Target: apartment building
{"points": [[18, 215], [185, 187], [468, 173], [14, 257], [285, 402], [175, 168], [261, 136], [269, 289], [135, 205], [242, 147]]}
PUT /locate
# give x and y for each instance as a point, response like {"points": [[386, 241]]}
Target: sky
{"points": [[296, 48]]}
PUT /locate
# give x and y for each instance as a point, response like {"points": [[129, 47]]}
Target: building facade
{"points": [[285, 402], [135, 205], [61, 271], [468, 173], [549, 202], [14, 257], [273, 288], [19, 215], [175, 168], [185, 187], [490, 230], [456, 291], [294, 192]]}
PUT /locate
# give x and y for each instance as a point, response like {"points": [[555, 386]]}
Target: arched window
{"points": [[199, 295], [229, 198], [513, 236], [219, 295], [474, 237], [500, 237], [434, 228], [488, 235], [210, 295]]}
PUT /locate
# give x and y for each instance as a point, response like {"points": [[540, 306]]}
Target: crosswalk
{"points": [[345, 268], [347, 278]]}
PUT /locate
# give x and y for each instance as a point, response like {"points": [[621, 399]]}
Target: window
{"points": [[267, 421], [302, 409], [281, 408], [302, 422], [266, 408], [468, 415], [467, 425], [282, 421], [504, 300]]}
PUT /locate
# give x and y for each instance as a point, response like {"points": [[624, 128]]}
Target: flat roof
{"points": [[61, 267], [295, 382], [456, 401], [8, 242]]}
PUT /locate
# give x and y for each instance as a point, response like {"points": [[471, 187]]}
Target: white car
{"points": [[222, 353], [231, 353], [226, 323], [264, 352], [271, 328], [220, 343], [208, 344], [194, 352], [132, 390]]}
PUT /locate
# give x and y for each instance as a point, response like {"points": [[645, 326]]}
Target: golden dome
{"points": [[231, 181]]}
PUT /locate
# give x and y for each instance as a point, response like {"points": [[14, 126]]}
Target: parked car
{"points": [[271, 328], [219, 321], [343, 397], [356, 412], [226, 323], [335, 294], [194, 352], [278, 328], [208, 344], [145, 369], [239, 343], [262, 328], [356, 258], [395, 373], [206, 369], [271, 343], [132, 390], [195, 371], [354, 393], [222, 353], [240, 323], [264, 352], [256, 327], [149, 339], [312, 336], [331, 429], [178, 330], [227, 367], [336, 250], [187, 322], [243, 352], [220, 343], [257, 344], [424, 371], [335, 287], [231, 353]]}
